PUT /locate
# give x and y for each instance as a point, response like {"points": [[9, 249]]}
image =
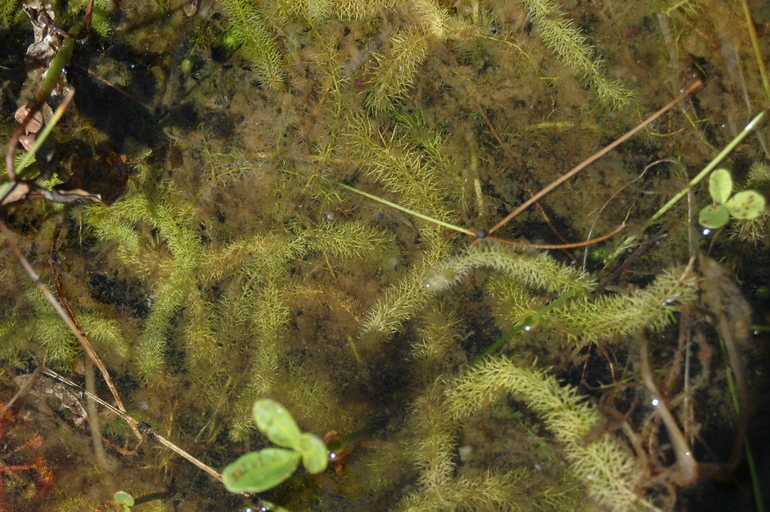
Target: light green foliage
{"points": [[100, 22], [434, 451], [181, 268], [404, 171], [442, 486], [243, 275], [260, 471], [395, 305], [319, 10], [754, 231], [249, 31], [394, 67], [265, 469], [759, 173], [534, 269], [489, 491], [608, 469], [437, 335], [59, 343], [104, 333], [313, 450], [585, 319], [276, 423], [347, 240], [15, 334], [687, 7], [177, 282], [572, 47], [747, 204], [125, 499], [394, 72], [401, 168], [514, 303], [11, 12], [402, 300]]}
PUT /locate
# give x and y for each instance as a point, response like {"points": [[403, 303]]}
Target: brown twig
{"points": [[83, 339], [135, 425], [560, 246], [687, 466], [142, 427], [60, 310], [692, 86], [634, 256], [22, 390], [512, 160]]}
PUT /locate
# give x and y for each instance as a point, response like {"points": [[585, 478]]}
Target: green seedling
{"points": [[125, 499], [263, 470], [743, 205]]}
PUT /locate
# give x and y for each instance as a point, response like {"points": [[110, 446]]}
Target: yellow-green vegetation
{"points": [[610, 470], [585, 319], [235, 268], [533, 269], [11, 12], [249, 30], [44, 328], [218, 286], [572, 47], [754, 231], [395, 66], [100, 22]]}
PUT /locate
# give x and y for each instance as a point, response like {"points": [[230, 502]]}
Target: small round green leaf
{"points": [[260, 471], [720, 185], [123, 498], [746, 205], [314, 453], [713, 216], [276, 423]]}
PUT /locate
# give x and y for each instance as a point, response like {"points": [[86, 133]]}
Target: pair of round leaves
{"points": [[263, 470], [125, 499], [743, 205]]}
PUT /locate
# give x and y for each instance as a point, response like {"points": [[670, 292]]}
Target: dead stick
{"points": [[573, 245], [83, 339], [692, 86], [152, 436], [49, 297], [685, 459]]}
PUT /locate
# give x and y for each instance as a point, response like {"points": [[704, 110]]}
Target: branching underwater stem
{"points": [[687, 465]]}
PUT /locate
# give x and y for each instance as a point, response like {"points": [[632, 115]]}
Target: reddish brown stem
{"points": [[692, 86]]}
